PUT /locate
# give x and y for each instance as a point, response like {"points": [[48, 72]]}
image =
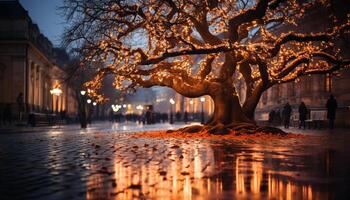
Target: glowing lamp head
{"points": [[94, 103], [88, 101], [83, 92], [172, 101], [56, 91]]}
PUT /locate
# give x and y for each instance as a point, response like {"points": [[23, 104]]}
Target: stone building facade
{"points": [[28, 65], [314, 90]]}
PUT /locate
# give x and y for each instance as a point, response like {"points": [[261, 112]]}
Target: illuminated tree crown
{"points": [[202, 47]]}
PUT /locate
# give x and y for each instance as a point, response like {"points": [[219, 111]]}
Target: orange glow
{"points": [[186, 173]]}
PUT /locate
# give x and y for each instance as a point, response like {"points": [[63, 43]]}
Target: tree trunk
{"points": [[252, 101], [227, 109]]}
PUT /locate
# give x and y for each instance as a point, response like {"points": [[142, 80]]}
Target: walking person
{"points": [[331, 106], [185, 117], [302, 114], [20, 105], [287, 111]]}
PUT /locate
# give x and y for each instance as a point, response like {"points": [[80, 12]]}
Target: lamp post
{"points": [[172, 102], [202, 112], [90, 108], [56, 92], [82, 109]]}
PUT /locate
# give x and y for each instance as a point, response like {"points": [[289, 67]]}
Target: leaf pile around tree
{"points": [[235, 129]]}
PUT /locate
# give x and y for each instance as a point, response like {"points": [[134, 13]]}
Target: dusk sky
{"points": [[47, 16]]}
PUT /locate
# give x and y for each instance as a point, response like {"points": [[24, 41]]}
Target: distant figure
{"points": [[111, 115], [287, 110], [332, 106], [20, 105], [178, 116], [186, 117], [302, 114], [271, 117], [148, 117]]}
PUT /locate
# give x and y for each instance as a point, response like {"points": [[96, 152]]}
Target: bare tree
{"points": [[202, 47], [77, 74]]}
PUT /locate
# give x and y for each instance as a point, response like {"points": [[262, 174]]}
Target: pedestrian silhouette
{"points": [[178, 116], [185, 117], [302, 114], [287, 110], [20, 105], [331, 106]]}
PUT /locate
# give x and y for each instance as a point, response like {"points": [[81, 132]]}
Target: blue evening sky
{"points": [[49, 19]]}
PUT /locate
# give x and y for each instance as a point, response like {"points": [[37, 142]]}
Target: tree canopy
{"points": [[200, 47]]}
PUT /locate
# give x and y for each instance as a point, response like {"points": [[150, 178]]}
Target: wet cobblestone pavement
{"points": [[112, 164]]}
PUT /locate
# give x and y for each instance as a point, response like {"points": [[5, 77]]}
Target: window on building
{"points": [[328, 83]]}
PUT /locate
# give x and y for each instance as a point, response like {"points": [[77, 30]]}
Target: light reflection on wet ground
{"points": [[107, 165]]}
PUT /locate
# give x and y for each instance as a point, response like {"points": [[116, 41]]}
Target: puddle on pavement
{"points": [[178, 169], [114, 165]]}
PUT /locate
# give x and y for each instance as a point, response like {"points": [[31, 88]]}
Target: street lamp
{"points": [[94, 103], [115, 108], [89, 101], [56, 92], [172, 102], [83, 92], [202, 113]]}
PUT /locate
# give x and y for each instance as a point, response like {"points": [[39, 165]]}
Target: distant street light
{"points": [[115, 108], [124, 105], [56, 92], [83, 92], [172, 102], [202, 112], [89, 101], [94, 103]]}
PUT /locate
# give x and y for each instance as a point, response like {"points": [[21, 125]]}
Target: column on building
{"points": [[50, 95], [29, 94], [37, 88], [40, 88], [33, 84], [46, 93]]}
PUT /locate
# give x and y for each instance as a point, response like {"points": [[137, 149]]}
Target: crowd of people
{"points": [[283, 116], [276, 117]]}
